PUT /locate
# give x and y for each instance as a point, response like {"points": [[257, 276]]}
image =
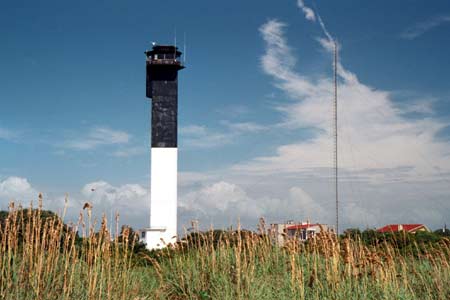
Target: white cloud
{"points": [[302, 201], [128, 199], [98, 136], [278, 60], [22, 192], [309, 13], [224, 202], [277, 199], [329, 44], [131, 201], [187, 179], [421, 28], [215, 198], [422, 106], [16, 189]]}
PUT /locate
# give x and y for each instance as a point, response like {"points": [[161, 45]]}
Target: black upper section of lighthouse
{"points": [[163, 64]]}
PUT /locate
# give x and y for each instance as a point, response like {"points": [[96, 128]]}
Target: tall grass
{"points": [[245, 265], [42, 258], [45, 259]]}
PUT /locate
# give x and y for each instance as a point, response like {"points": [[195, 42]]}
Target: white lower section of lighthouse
{"points": [[163, 199]]}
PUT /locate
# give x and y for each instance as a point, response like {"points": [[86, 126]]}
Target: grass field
{"points": [[42, 258]]}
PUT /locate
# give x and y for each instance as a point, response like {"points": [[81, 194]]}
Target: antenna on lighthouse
{"points": [[175, 43], [184, 49]]}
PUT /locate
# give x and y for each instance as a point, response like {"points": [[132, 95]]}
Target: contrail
{"points": [[309, 13], [329, 42], [324, 29]]}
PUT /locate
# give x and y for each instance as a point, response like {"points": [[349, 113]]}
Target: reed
{"points": [[245, 265], [43, 258]]}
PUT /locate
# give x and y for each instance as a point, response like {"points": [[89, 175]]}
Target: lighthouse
{"points": [[162, 66]]}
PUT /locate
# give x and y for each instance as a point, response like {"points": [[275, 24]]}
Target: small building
{"points": [[280, 233], [410, 228]]}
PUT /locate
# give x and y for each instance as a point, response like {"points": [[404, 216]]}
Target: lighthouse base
{"points": [[163, 199], [157, 238]]}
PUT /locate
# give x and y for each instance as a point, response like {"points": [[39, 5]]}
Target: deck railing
{"points": [[164, 62]]}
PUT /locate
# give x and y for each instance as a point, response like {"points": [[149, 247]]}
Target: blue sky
{"points": [[254, 114]]}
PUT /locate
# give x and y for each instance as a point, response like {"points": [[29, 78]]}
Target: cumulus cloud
{"points": [[98, 136], [276, 199], [131, 201], [128, 199], [421, 28], [222, 203], [303, 202], [22, 192], [17, 189], [215, 198]]}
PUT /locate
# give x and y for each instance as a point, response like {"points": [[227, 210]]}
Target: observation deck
{"points": [[164, 56]]}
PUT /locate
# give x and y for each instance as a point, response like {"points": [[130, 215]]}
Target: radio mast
{"points": [[335, 135]]}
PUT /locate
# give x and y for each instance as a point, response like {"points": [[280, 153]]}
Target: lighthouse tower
{"points": [[163, 64]]}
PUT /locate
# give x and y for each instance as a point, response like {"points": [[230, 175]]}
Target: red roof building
{"points": [[301, 226], [410, 228], [302, 231]]}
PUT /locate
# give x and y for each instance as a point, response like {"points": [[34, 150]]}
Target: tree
{"points": [[443, 232]]}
